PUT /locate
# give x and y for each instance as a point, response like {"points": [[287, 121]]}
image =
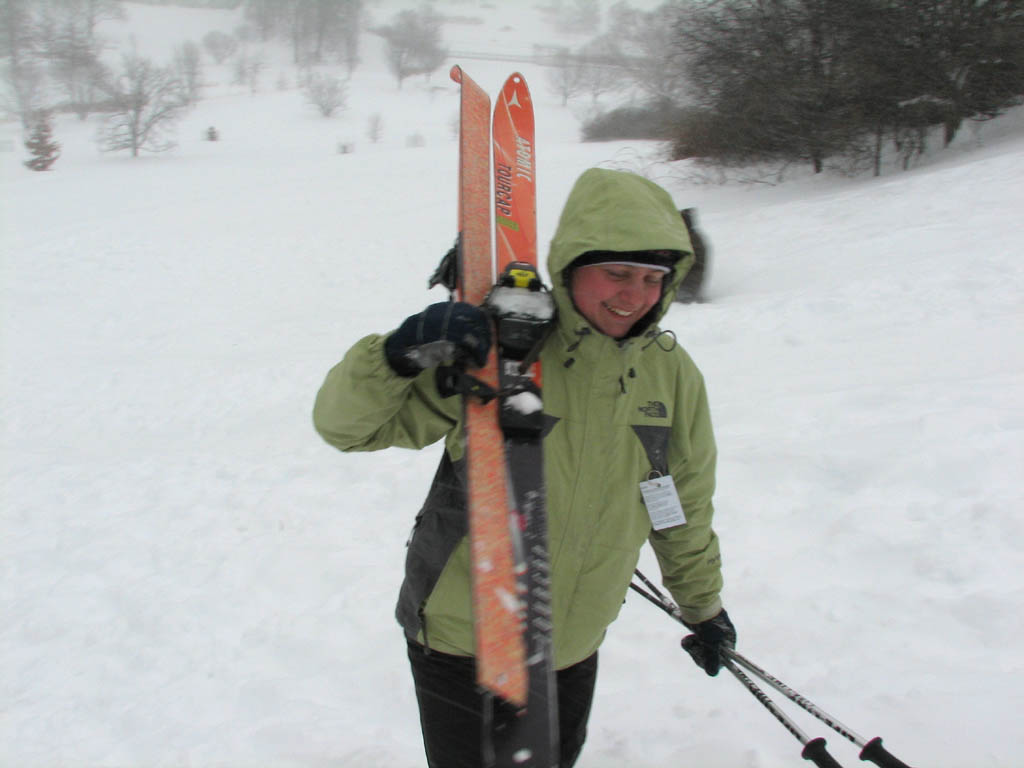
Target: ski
{"points": [[497, 618], [523, 310], [504, 425]]}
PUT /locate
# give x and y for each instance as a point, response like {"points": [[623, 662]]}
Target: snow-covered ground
{"points": [[190, 577]]}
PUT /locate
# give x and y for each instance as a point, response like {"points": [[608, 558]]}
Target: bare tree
{"points": [[265, 15], [375, 127], [649, 44], [566, 77], [67, 41], [351, 27], [86, 15], [16, 39], [147, 102], [220, 45], [327, 20], [53, 53], [602, 67], [248, 68], [326, 93], [578, 16], [300, 21], [413, 43], [314, 29], [189, 69], [75, 65], [23, 78], [23, 92]]}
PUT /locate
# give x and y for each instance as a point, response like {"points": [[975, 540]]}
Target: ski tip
{"points": [[456, 73], [515, 80], [515, 87]]}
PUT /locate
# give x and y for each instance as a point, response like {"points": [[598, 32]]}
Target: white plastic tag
{"points": [[662, 502]]}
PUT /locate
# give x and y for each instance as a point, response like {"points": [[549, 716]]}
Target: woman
{"points": [[624, 404]]}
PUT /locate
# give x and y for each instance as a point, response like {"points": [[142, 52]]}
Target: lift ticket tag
{"points": [[662, 502]]}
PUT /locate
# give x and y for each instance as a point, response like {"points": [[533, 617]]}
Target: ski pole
{"points": [[814, 749], [657, 597], [870, 750]]}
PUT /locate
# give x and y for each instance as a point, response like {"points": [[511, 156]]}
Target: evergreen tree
{"points": [[41, 146]]}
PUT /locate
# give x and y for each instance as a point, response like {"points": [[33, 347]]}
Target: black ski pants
{"points": [[452, 707]]}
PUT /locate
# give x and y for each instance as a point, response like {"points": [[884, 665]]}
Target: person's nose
{"points": [[632, 291]]}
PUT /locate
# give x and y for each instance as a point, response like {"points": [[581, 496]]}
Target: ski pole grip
{"points": [[814, 750], [880, 756]]}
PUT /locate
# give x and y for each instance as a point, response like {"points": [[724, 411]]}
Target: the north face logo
{"points": [[655, 409]]}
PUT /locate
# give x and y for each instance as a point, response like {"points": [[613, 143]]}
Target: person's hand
{"points": [[708, 638], [448, 332]]}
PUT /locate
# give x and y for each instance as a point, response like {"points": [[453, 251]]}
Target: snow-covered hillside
{"points": [[189, 576]]}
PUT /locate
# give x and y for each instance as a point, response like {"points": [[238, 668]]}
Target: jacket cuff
{"points": [[381, 369], [697, 615]]}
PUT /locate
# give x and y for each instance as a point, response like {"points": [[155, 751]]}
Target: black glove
{"points": [[708, 638], [448, 332]]}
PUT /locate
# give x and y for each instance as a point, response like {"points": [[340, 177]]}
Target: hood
{"points": [[617, 211]]}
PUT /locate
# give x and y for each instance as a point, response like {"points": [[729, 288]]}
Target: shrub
{"points": [[658, 123]]}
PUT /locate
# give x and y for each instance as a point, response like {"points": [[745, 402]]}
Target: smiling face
{"points": [[614, 296]]}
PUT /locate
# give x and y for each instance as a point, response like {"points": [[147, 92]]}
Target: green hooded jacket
{"points": [[618, 413]]}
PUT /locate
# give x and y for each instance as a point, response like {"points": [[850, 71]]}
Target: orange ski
{"points": [[497, 608], [515, 197], [523, 311]]}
